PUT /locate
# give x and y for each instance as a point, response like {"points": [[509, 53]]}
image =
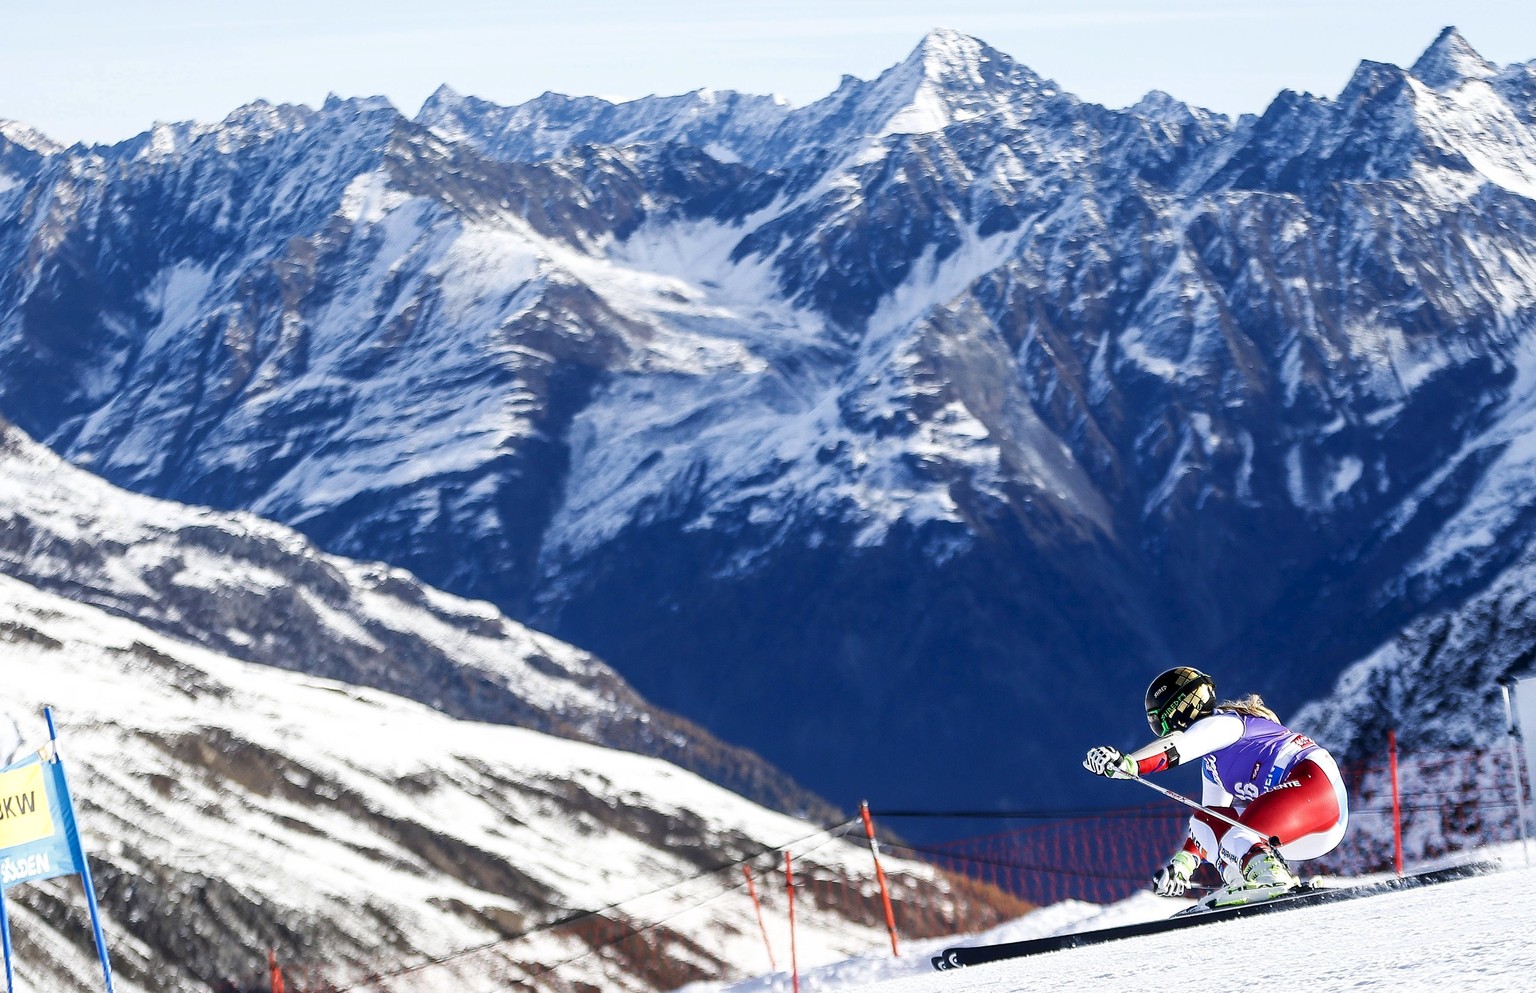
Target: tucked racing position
{"points": [[1276, 784]]}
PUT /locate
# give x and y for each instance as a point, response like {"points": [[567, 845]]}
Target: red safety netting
{"points": [[1447, 802]]}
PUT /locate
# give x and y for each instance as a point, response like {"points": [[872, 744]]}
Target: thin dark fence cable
{"points": [[833, 832]]}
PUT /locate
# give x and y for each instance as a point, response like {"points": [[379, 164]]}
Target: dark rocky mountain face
{"points": [[901, 437]]}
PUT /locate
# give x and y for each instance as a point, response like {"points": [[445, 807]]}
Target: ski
{"points": [[1232, 899], [1306, 895], [1226, 898]]}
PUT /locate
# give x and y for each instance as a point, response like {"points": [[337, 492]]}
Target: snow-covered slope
{"points": [[1467, 935], [232, 807], [946, 392]]}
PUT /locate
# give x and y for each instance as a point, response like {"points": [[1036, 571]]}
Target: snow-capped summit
{"points": [[949, 57], [948, 78], [32, 140], [334, 102], [1451, 61], [1160, 106]]}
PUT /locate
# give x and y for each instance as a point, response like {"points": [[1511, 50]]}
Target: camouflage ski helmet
{"points": [[1178, 698]]}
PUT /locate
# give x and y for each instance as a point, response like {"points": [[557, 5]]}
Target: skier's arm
{"points": [[1207, 735]]}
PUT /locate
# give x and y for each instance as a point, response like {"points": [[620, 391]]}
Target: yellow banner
{"points": [[24, 815]]}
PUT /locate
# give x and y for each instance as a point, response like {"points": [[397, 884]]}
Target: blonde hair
{"points": [[1253, 705]]}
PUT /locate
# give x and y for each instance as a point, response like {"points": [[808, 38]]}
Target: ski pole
{"points": [[1274, 843]]}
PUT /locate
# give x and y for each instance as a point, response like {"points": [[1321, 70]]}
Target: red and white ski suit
{"points": [[1276, 783]]}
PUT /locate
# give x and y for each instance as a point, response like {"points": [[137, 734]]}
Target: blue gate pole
{"points": [[5, 931], [78, 851]]}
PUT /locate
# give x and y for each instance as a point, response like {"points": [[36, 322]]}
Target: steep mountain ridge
{"points": [[248, 589], [1450, 62], [1435, 683], [719, 123], [949, 390]]}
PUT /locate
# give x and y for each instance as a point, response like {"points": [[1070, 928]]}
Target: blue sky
{"points": [[98, 71]]}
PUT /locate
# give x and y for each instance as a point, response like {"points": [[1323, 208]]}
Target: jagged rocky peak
{"points": [[1165, 108], [262, 119], [947, 55], [1370, 81], [446, 102], [954, 60], [1160, 105], [27, 138], [359, 106], [444, 98], [1450, 61], [950, 77], [363, 121]]}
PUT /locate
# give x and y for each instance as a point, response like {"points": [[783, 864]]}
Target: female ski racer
{"points": [[1276, 783]]}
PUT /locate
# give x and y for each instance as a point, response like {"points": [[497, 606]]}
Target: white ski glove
{"points": [[1173, 878], [1106, 761]]}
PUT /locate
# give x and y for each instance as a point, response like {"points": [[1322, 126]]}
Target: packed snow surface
{"points": [[1471, 934]]}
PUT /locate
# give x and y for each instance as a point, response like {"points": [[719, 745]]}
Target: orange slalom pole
{"points": [[277, 973], [885, 891], [794, 956], [758, 906], [1397, 808]]}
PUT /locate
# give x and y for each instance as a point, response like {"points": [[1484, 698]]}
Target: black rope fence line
{"points": [[943, 856], [833, 832], [1034, 814], [731, 889], [545, 970]]}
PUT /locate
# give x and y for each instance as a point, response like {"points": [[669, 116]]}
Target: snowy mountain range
{"points": [[948, 396], [230, 807]]}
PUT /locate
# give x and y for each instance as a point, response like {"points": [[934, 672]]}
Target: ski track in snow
{"points": [[1472, 934], [1464, 935]]}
